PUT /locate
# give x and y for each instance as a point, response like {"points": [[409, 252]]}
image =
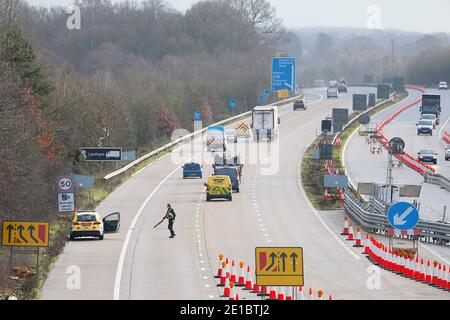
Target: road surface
{"points": [[362, 166], [271, 210]]}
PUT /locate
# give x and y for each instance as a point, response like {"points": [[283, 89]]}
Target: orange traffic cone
{"points": [[281, 294], [350, 233], [358, 238], [445, 279], [300, 294], [320, 295], [219, 269], [289, 295], [224, 275], [263, 292], [241, 280], [232, 295], [272, 294], [248, 282], [367, 245], [311, 294], [330, 297], [428, 276], [233, 272], [227, 288], [422, 270], [345, 230]]}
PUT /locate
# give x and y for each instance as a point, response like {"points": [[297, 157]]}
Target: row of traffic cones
{"points": [[230, 281], [435, 273]]}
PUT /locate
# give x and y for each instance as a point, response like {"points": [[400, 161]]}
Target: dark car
{"points": [[428, 156], [299, 104], [342, 87], [232, 172]]}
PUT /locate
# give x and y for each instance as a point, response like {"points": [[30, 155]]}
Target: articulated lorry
{"points": [[431, 104]]}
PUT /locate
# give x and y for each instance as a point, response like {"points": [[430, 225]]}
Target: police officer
{"points": [[171, 216]]}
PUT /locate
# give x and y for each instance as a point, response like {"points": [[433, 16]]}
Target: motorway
{"points": [[272, 210], [362, 166]]}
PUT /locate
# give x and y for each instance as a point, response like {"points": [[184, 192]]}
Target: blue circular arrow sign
{"points": [[232, 104], [403, 216]]}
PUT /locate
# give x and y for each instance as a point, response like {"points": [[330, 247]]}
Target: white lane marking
{"points": [[316, 214], [441, 132], [434, 253], [123, 252]]}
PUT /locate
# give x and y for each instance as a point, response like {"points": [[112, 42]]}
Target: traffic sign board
{"points": [[262, 98], [397, 145], [403, 216], [232, 104], [65, 184], [197, 116], [266, 93], [283, 74], [335, 181], [102, 154], [25, 234], [66, 202], [279, 266]]}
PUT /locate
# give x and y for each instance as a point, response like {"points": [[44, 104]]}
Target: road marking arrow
{"points": [[400, 220]]}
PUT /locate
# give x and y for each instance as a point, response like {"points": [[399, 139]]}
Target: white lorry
{"points": [[216, 140], [265, 123]]}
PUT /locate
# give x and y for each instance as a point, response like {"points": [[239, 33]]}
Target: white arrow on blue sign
{"points": [[403, 216]]}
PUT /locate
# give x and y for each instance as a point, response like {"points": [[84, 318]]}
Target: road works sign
{"points": [[283, 74], [102, 154], [25, 234], [403, 216], [279, 266]]}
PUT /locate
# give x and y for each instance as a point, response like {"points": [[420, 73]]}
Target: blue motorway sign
{"points": [[403, 216], [283, 74], [262, 98], [232, 104], [197, 116]]}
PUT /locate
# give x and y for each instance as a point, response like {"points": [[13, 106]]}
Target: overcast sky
{"points": [[409, 15]]}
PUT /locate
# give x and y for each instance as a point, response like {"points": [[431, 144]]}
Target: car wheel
{"points": [[72, 238], [101, 237], [230, 198], [208, 198]]}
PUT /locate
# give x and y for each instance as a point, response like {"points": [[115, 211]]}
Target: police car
{"points": [[89, 224]]}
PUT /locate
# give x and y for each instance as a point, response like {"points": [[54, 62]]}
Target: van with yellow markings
{"points": [[219, 187]]}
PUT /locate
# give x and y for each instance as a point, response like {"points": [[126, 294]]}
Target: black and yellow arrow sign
{"points": [[279, 266], [25, 234]]}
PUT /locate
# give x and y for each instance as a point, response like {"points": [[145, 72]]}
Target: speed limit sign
{"points": [[65, 184]]}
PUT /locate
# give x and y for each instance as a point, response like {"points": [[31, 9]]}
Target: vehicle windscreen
{"points": [[86, 218], [425, 123], [429, 116], [192, 166], [232, 173]]}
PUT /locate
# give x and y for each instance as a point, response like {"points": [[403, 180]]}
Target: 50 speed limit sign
{"points": [[65, 184]]}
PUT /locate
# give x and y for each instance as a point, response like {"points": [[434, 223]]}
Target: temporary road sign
{"points": [[283, 74], [335, 181], [197, 116], [279, 266], [397, 145], [102, 154], [364, 119], [65, 184], [25, 234], [283, 93], [403, 216], [66, 202]]}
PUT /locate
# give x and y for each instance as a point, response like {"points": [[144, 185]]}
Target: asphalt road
{"points": [[271, 210], [362, 166]]}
